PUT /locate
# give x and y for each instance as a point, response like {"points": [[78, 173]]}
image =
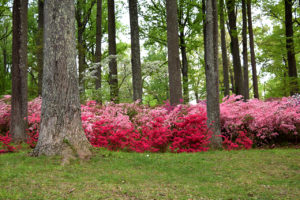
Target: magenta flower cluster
{"points": [[134, 127], [266, 122]]}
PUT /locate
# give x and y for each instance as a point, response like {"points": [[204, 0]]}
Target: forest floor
{"points": [[251, 174]]}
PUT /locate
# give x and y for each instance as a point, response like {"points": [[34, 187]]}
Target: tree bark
{"points": [[135, 51], [184, 68], [204, 24], [235, 51], [19, 72], [83, 14], [98, 47], [80, 46], [224, 49], [294, 88], [285, 77], [81, 58], [252, 52], [112, 51], [211, 72], [173, 53], [231, 80], [183, 21], [98, 42], [245, 51], [4, 53], [39, 43], [61, 131]]}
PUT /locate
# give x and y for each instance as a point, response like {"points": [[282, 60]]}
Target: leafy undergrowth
{"points": [[138, 128], [252, 174]]}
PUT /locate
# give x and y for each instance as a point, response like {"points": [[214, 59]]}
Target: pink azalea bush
{"points": [[266, 122], [34, 118], [4, 125], [134, 127], [4, 113]]}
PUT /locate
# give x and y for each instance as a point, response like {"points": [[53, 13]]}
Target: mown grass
{"points": [[252, 174]]}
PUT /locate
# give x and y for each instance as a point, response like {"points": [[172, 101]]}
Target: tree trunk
{"points": [[81, 58], [285, 82], [197, 96], [39, 43], [19, 72], [224, 49], [112, 51], [235, 51], [61, 131], [251, 40], [98, 47], [231, 80], [135, 51], [184, 68], [173, 53], [294, 88], [245, 52], [83, 14], [4, 53], [211, 71], [80, 45], [204, 26]]}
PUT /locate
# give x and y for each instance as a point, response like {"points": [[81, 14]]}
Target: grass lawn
{"points": [[252, 174]]}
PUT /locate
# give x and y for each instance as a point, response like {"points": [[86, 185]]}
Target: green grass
{"points": [[252, 174]]}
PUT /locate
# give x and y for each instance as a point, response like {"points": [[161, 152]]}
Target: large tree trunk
{"points": [[61, 131], [251, 41], [19, 72], [235, 51], [211, 71], [245, 52], [39, 43], [135, 51], [173, 53], [112, 50], [224, 49], [184, 68], [98, 47], [294, 88]]}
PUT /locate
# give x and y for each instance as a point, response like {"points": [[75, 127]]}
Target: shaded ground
{"points": [[252, 174]]}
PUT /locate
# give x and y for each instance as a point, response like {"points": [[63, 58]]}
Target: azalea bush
{"points": [[138, 128], [5, 145], [4, 113], [265, 122], [135, 127]]}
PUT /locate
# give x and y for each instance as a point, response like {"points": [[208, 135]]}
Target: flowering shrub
{"points": [[268, 122], [6, 147], [34, 118], [4, 113], [134, 127], [241, 141], [191, 135], [154, 138]]}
